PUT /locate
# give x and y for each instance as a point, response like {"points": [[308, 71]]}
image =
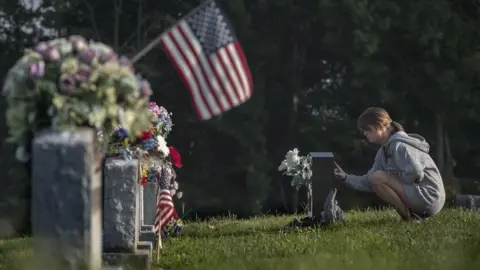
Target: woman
{"points": [[403, 173]]}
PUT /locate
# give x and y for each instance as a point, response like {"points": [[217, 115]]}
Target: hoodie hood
{"points": [[413, 140]]}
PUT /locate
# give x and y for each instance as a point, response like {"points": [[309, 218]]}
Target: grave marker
{"points": [[322, 179], [122, 215], [149, 203], [66, 200]]}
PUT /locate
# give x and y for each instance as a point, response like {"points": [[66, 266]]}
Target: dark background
{"points": [[316, 65]]}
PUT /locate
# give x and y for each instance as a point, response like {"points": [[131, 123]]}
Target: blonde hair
{"points": [[376, 117]]}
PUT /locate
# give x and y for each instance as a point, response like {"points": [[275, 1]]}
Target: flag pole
{"points": [[156, 41], [147, 49], [159, 243]]}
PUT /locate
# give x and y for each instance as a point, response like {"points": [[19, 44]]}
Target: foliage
{"points": [[316, 66], [367, 240], [66, 83], [299, 167]]}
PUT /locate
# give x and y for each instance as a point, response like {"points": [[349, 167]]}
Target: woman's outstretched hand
{"points": [[339, 173]]}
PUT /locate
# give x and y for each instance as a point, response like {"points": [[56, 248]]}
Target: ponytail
{"points": [[396, 127]]}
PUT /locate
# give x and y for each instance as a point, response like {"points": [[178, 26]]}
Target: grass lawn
{"points": [[366, 240]]}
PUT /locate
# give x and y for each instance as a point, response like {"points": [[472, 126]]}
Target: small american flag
{"points": [[204, 49], [165, 208]]}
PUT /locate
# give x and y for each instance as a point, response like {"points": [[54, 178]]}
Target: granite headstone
{"points": [[66, 212], [322, 179]]}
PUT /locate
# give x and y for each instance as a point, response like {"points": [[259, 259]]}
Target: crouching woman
{"points": [[403, 174]]}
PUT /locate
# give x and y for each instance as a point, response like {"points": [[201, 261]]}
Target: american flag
{"points": [[165, 208], [205, 51]]}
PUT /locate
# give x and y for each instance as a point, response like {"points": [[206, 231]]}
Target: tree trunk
{"points": [[449, 160], [440, 151]]}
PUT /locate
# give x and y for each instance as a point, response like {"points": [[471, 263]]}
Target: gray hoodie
{"points": [[407, 157]]}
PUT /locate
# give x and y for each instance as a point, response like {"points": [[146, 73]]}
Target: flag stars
{"points": [[211, 28]]}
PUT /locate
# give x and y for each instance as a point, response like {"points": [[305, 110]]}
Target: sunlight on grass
{"points": [[366, 240]]}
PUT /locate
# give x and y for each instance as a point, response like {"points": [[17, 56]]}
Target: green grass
{"points": [[366, 240]]}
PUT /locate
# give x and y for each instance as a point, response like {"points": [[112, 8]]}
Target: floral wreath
{"points": [[70, 82]]}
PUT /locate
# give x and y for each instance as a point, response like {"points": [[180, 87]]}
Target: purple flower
{"points": [[145, 89], [67, 83], [123, 61], [41, 47], [154, 108], [37, 70], [87, 56], [79, 43], [108, 56], [121, 132], [84, 73], [51, 54]]}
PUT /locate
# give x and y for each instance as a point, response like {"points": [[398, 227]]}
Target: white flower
{"points": [[292, 157], [283, 166], [180, 195], [162, 145], [21, 154], [175, 185], [173, 191]]}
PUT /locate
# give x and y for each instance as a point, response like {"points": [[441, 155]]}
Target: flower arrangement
{"points": [[151, 148], [70, 82], [150, 142], [299, 167]]}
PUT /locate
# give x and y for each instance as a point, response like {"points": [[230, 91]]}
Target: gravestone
{"points": [[471, 202], [141, 206], [149, 203], [322, 179], [149, 198], [122, 215], [66, 212], [121, 209]]}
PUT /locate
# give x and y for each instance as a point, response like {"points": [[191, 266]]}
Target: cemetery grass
{"points": [[365, 240]]}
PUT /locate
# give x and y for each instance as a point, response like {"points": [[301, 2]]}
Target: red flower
{"points": [[143, 181], [176, 159], [145, 135]]}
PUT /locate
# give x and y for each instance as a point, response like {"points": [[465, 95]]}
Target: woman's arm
{"points": [[409, 163], [361, 182]]}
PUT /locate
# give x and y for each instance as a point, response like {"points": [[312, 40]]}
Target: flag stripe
{"points": [[194, 66], [226, 81], [241, 87], [233, 53], [206, 70], [229, 67], [245, 69], [177, 59], [165, 210], [217, 57]]}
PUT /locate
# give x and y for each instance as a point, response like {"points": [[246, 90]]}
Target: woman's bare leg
{"points": [[387, 187]]}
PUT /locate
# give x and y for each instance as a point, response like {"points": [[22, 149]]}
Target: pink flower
{"points": [[107, 56], [67, 83], [37, 70], [87, 56], [154, 108], [41, 47], [79, 43], [51, 54]]}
